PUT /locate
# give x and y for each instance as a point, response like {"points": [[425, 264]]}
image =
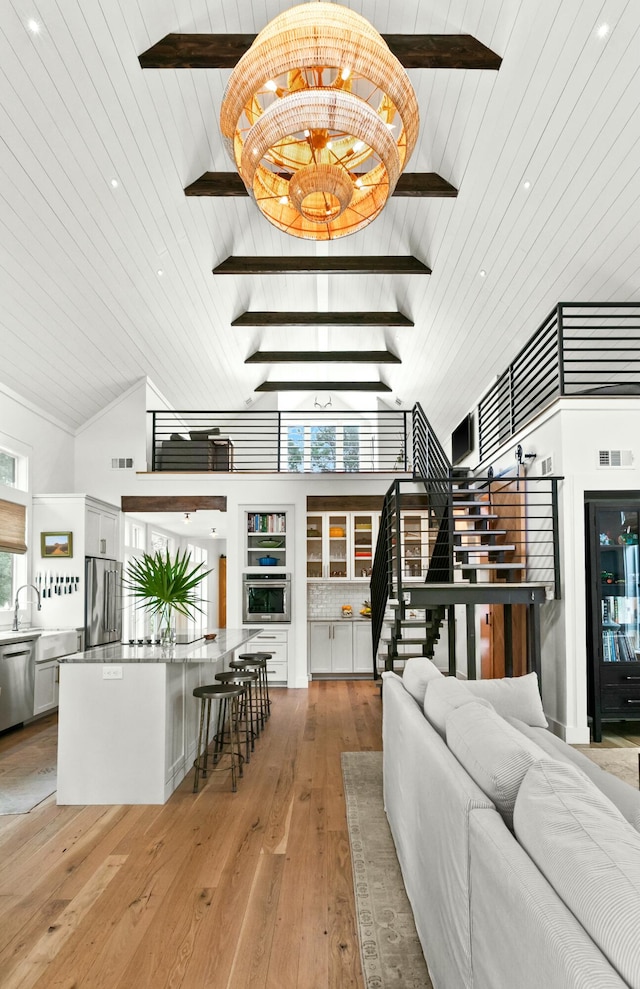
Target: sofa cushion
{"points": [[517, 697], [445, 694], [417, 673], [625, 797], [590, 855], [494, 753], [205, 433]]}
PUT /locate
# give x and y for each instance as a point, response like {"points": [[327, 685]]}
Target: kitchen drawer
{"points": [[621, 700], [277, 671], [620, 674], [268, 636]]}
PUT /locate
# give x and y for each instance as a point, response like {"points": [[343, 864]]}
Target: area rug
{"points": [[619, 760], [28, 773], [389, 947]]}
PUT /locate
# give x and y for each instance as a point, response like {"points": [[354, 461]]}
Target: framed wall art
{"points": [[56, 544]]}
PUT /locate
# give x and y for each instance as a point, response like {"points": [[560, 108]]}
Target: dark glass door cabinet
{"points": [[613, 629]]}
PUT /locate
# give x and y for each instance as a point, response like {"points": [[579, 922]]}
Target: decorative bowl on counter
{"points": [[268, 561]]}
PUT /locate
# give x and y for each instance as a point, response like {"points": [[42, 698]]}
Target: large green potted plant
{"points": [[165, 586]]}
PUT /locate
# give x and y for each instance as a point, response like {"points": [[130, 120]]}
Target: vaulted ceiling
{"points": [[107, 267]]}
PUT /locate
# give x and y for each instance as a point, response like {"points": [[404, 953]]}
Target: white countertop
{"points": [[200, 651]]}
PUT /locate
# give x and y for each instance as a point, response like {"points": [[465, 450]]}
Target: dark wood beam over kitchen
{"points": [[313, 264], [322, 319], [323, 357], [414, 51], [173, 503], [377, 386], [418, 185]]}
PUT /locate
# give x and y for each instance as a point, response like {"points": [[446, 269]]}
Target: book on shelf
{"points": [[617, 647]]}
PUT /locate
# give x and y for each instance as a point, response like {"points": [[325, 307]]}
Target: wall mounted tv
{"points": [[462, 440]]}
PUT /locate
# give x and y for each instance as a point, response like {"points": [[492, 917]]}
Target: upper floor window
{"points": [[325, 447]]}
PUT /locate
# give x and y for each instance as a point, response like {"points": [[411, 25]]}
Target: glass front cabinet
{"points": [[341, 546], [613, 636]]}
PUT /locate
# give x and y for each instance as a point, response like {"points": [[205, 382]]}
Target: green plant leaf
{"points": [[163, 584]]}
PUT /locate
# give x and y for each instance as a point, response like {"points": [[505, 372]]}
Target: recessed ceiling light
{"points": [[33, 26], [603, 30], [482, 273], [526, 184], [160, 272], [115, 183]]}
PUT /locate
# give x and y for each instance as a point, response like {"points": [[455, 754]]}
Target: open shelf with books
{"points": [[266, 539]]}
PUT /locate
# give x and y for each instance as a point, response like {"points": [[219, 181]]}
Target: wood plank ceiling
{"points": [[96, 154]]}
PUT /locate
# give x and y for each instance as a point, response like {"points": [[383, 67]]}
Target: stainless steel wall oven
{"points": [[266, 597]]}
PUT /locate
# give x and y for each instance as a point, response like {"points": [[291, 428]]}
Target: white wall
{"points": [[47, 443]]}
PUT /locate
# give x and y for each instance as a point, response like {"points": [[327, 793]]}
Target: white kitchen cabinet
{"points": [[47, 684], [341, 545], [362, 648], [274, 641], [338, 648], [102, 531], [50, 646]]}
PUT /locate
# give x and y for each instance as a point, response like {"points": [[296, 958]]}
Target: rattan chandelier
{"points": [[320, 118]]}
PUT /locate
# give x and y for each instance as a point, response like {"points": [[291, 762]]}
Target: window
{"points": [[7, 579], [12, 549], [329, 447], [199, 555], [8, 468]]}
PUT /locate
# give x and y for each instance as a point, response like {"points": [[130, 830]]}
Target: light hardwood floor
{"points": [[211, 891]]}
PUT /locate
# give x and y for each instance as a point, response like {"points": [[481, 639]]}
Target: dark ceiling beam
{"points": [[377, 386], [313, 264], [322, 319], [414, 51], [173, 503], [414, 184], [323, 357]]}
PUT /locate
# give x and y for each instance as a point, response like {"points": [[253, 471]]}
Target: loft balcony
{"points": [[281, 442]]}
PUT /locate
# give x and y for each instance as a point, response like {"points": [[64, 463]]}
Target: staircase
{"points": [[486, 540]]}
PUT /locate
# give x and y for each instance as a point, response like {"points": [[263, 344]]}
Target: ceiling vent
{"points": [[546, 466], [122, 463], [615, 458]]}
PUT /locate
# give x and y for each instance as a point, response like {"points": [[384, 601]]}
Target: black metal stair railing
{"points": [[590, 349], [381, 584], [432, 465]]}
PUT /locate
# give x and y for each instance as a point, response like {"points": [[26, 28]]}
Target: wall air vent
{"points": [[615, 458], [546, 466], [122, 463]]}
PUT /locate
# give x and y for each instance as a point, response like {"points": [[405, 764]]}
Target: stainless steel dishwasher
{"points": [[17, 682]]}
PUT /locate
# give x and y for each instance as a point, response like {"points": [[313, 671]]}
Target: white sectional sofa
{"points": [[521, 857]]}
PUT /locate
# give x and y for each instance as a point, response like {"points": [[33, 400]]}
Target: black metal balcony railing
{"points": [[271, 441], [580, 349]]}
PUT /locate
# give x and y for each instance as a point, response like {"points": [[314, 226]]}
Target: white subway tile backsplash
{"points": [[325, 599]]}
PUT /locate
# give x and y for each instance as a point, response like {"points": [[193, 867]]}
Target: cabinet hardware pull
{"points": [[630, 701], [632, 678], [10, 655]]}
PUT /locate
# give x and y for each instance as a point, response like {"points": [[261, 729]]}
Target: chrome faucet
{"points": [[16, 623]]}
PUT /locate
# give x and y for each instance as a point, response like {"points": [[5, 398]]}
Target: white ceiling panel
{"points": [[84, 312]]}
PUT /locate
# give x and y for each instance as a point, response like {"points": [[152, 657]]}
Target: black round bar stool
{"points": [[248, 707], [228, 695], [256, 661]]}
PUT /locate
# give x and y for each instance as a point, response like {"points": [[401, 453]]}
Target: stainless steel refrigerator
{"points": [[103, 602]]}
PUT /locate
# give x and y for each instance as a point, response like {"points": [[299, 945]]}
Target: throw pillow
{"points": [[495, 754], [588, 853], [625, 797], [417, 674], [445, 694], [204, 434], [515, 697], [177, 436]]}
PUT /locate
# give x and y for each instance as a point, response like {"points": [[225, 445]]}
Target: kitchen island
{"points": [[127, 718]]}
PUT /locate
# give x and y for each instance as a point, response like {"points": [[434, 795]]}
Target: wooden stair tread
{"points": [[487, 548], [479, 532]]}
